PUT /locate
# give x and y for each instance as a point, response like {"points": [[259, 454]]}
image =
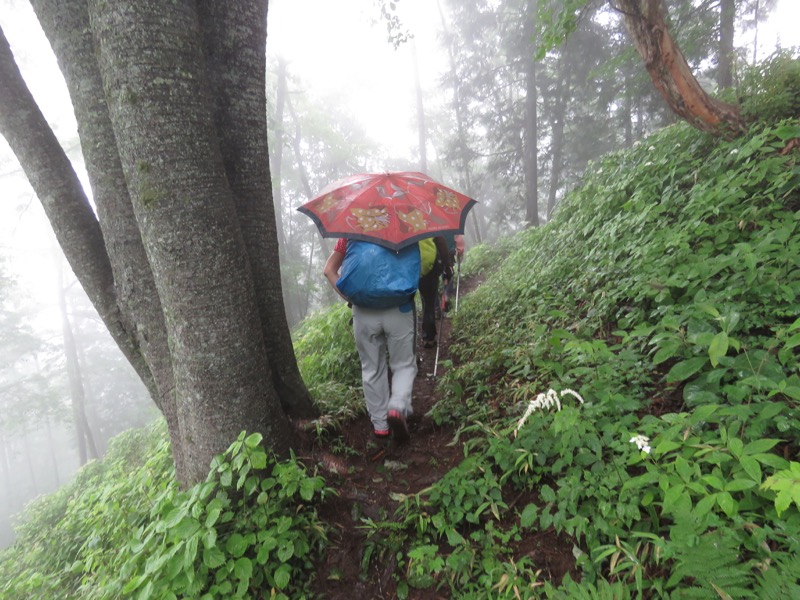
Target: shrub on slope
{"points": [[666, 294]]}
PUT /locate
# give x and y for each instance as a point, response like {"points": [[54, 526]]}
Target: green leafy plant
{"points": [[251, 525], [786, 485]]}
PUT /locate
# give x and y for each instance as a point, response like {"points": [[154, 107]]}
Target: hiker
{"points": [[378, 332], [440, 265], [455, 245]]}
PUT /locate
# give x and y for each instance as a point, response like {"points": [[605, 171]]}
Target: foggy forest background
{"points": [[512, 132]]}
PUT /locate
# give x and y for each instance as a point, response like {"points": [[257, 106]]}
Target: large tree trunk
{"points": [[181, 260], [130, 288], [670, 73], [157, 93], [234, 36]]}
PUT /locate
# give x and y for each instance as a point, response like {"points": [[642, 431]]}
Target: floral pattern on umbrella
{"points": [[391, 209]]}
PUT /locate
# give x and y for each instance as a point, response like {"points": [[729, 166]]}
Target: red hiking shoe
{"points": [[398, 425]]}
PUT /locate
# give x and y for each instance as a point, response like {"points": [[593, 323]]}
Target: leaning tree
{"points": [[177, 247], [647, 23]]}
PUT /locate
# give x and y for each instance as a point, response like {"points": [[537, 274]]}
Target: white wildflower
{"points": [[544, 401], [642, 442], [572, 393]]}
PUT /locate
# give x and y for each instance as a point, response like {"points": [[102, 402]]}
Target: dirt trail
{"points": [[368, 473]]}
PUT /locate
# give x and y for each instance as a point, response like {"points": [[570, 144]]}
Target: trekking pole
{"points": [[441, 321], [436, 360], [458, 280]]}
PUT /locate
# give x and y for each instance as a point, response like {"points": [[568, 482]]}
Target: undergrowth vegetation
{"points": [[328, 361], [666, 293], [626, 378], [123, 528]]}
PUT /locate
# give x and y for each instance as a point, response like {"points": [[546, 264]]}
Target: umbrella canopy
{"points": [[390, 209]]}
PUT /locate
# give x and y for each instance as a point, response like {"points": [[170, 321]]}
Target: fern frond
{"points": [[781, 579], [712, 569]]}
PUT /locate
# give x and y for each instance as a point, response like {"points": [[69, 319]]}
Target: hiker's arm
{"points": [[444, 252], [331, 270], [459, 247]]}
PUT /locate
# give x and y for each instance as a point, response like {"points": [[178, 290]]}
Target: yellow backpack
{"points": [[427, 254]]}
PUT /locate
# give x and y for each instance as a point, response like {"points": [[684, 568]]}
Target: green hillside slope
{"points": [[665, 294]]}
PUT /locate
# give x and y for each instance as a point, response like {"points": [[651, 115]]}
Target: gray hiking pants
{"points": [[378, 331]]}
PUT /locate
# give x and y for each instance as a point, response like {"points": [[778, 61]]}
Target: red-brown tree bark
{"points": [[671, 74]]}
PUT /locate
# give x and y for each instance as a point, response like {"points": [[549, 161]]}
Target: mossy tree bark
{"points": [[181, 256]]}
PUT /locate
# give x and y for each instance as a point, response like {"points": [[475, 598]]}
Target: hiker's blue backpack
{"points": [[375, 277]]}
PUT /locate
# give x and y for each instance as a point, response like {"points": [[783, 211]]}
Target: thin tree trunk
{"points": [[476, 227], [51, 446], [727, 18], [277, 152], [461, 136], [639, 118], [670, 73], [26, 450], [309, 273], [530, 145], [755, 32], [557, 127], [423, 154], [296, 139], [276, 162], [4, 464], [89, 408], [86, 446], [531, 153], [627, 115]]}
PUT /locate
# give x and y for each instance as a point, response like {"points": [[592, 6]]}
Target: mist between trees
{"points": [[189, 174]]}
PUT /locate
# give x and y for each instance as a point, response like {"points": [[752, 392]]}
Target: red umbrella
{"points": [[390, 209]]}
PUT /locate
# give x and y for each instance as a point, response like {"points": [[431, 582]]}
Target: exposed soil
{"points": [[368, 473]]}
